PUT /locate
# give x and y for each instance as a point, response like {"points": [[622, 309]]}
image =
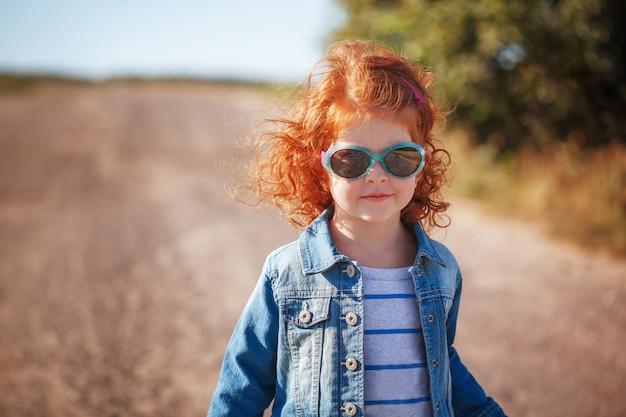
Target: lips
{"points": [[377, 196]]}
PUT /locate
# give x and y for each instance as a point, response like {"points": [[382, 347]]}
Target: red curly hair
{"points": [[355, 79]]}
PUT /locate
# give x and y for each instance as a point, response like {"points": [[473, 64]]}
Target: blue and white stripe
{"points": [[396, 376]]}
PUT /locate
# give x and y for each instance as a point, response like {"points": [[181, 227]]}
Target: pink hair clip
{"points": [[418, 96]]}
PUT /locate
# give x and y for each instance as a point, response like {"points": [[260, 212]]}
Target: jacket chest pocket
{"points": [[304, 314], [442, 301], [305, 323]]}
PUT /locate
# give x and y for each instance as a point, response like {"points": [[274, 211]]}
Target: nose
{"points": [[377, 174]]}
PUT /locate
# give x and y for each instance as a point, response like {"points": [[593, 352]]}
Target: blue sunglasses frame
{"points": [[374, 157]]}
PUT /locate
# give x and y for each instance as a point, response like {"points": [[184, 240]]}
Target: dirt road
{"points": [[124, 265]]}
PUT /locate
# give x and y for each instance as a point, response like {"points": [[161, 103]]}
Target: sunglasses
{"points": [[403, 160]]}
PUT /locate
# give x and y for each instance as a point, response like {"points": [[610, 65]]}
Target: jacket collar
{"points": [[318, 252]]}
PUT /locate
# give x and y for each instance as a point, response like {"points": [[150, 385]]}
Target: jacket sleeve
{"points": [[247, 380], [468, 397]]}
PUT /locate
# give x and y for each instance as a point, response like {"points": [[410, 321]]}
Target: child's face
{"points": [[376, 197]]}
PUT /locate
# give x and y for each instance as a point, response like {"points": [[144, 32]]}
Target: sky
{"points": [[257, 40]]}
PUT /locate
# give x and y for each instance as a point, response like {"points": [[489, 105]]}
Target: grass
{"points": [[579, 194]]}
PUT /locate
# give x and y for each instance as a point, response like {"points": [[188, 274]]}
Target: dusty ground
{"points": [[124, 265]]}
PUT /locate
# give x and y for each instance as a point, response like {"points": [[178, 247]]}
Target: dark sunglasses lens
{"points": [[403, 162], [349, 163]]}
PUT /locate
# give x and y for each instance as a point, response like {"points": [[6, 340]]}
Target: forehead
{"points": [[377, 132]]}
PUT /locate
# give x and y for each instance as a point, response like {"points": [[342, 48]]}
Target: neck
{"points": [[378, 245]]}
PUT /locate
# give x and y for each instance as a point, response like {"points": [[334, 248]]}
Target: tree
{"points": [[521, 71]]}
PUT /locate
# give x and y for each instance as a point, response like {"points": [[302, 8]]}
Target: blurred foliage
{"points": [[16, 83], [522, 72], [577, 194]]}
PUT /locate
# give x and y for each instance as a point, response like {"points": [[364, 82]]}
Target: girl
{"points": [[358, 317]]}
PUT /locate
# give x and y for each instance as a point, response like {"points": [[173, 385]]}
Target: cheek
{"points": [[407, 188], [417, 179], [342, 189], [337, 187]]}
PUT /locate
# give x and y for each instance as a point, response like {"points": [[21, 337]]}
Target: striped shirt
{"points": [[396, 376]]}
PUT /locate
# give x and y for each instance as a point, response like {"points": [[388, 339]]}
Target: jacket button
{"points": [[351, 270], [350, 409], [352, 319], [419, 272], [438, 406], [305, 316], [435, 362], [431, 318], [352, 364]]}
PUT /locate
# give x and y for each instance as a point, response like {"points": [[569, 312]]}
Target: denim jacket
{"points": [[299, 341]]}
